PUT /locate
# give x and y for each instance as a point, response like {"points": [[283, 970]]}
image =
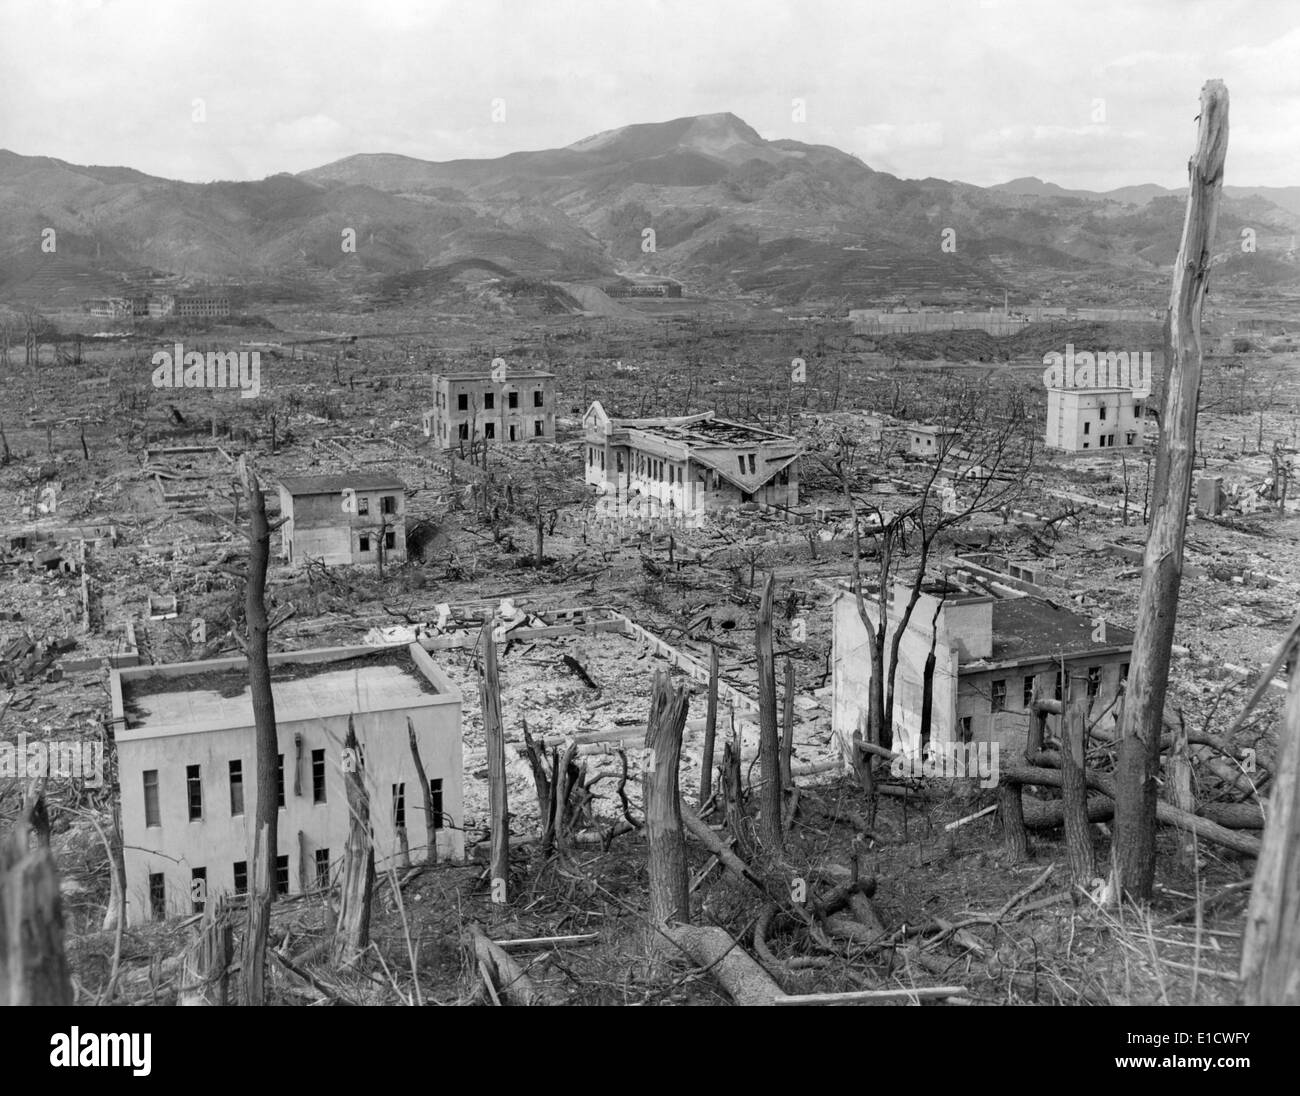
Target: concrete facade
{"points": [[320, 527], [473, 406], [183, 810], [989, 653], [931, 441], [688, 465], [1081, 419]]}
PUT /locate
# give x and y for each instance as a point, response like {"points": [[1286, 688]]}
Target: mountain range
{"points": [[731, 214]]}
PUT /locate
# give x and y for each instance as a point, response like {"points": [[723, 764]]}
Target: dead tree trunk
{"points": [[262, 886], [1074, 791], [710, 729], [494, 734], [1179, 772], [204, 975], [431, 820], [1011, 817], [670, 898], [787, 729], [33, 968], [352, 932], [506, 977], [1138, 760], [1270, 954], [769, 746]]}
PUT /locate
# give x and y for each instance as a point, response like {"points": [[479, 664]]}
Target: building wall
{"points": [[217, 841], [448, 418], [676, 481], [319, 528], [1074, 421], [956, 694]]}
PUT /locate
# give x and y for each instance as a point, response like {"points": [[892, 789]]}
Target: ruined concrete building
{"points": [[519, 407], [347, 519], [990, 651], [931, 441], [1093, 418], [188, 777], [691, 464]]}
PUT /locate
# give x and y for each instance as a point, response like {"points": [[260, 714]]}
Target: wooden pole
{"points": [[1138, 760], [769, 746], [670, 898], [494, 734], [1270, 952], [352, 932], [710, 729], [1074, 791]]}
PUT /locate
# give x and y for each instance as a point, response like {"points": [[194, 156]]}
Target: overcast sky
{"points": [[979, 90]]}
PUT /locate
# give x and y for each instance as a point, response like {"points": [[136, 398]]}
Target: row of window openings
{"points": [[387, 504], [199, 882], [363, 542], [194, 792], [490, 430], [999, 690], [648, 466], [489, 400]]}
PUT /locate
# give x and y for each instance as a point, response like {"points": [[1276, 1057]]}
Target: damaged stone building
{"points": [[520, 407], [690, 465], [992, 647], [343, 520], [188, 778], [1093, 418]]}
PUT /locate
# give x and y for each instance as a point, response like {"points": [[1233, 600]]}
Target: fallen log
{"points": [[1203, 827], [737, 972], [507, 977]]}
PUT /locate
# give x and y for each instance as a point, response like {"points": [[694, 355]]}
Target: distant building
{"points": [[344, 519], [931, 441], [644, 289], [187, 770], [109, 308], [990, 652], [690, 464], [195, 308], [162, 305], [473, 407], [1093, 418]]}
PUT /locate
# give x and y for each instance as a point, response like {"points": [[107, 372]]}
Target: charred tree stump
{"points": [[33, 967], [710, 729], [1074, 790], [769, 746], [205, 967], [1138, 758], [431, 819], [1011, 818], [352, 932], [494, 734], [670, 899], [1270, 955]]}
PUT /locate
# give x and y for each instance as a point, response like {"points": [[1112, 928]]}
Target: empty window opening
{"points": [[151, 813], [318, 776], [282, 874], [198, 888], [323, 869], [194, 792], [241, 876], [157, 896], [435, 797], [236, 788]]}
